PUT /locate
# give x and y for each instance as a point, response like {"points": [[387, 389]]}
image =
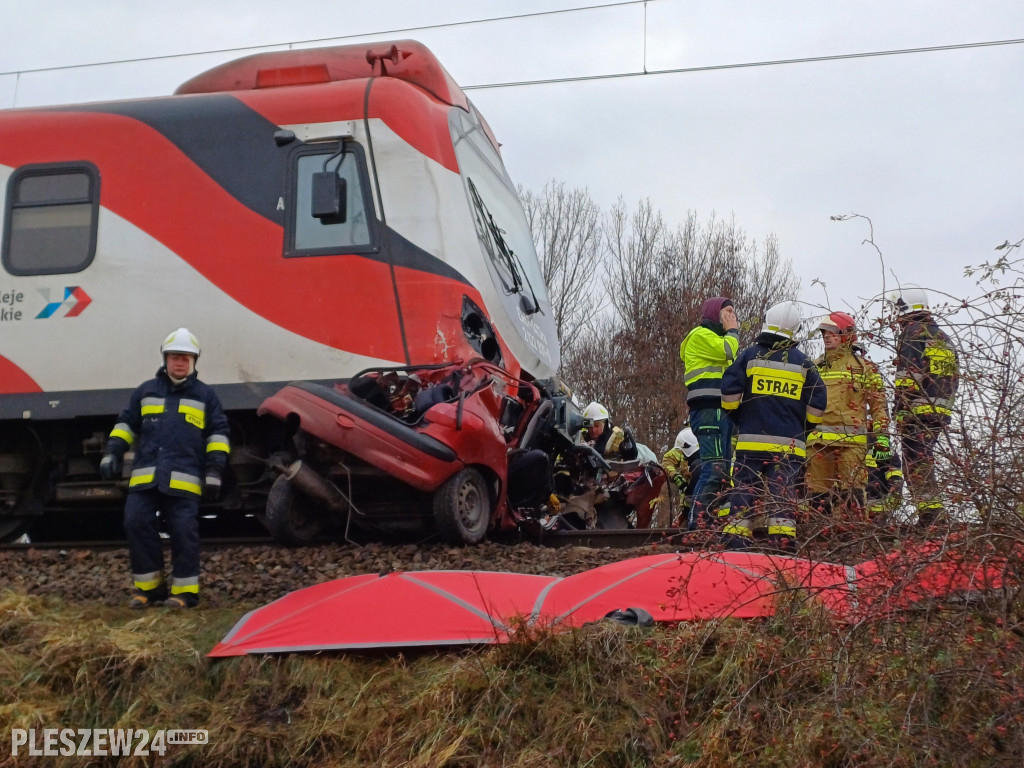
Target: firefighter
{"points": [[179, 433], [927, 376], [854, 419], [706, 352], [884, 490], [682, 465], [610, 441], [774, 393]]}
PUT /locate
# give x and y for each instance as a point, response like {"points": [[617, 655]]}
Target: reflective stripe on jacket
{"points": [[705, 355], [774, 392], [179, 435], [856, 398], [927, 369]]}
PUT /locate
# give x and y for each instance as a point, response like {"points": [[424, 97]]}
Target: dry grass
{"points": [[941, 685]]}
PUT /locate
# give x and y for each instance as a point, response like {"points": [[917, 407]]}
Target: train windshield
{"points": [[498, 214]]}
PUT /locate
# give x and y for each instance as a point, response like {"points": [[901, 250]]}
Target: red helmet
{"points": [[841, 323]]}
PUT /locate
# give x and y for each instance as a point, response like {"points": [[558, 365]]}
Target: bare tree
{"points": [[657, 279], [566, 226]]}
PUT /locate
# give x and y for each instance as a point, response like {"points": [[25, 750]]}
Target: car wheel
{"points": [[292, 518], [462, 508]]}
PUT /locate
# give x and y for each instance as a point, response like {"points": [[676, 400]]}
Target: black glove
{"points": [[211, 488], [680, 481], [110, 466], [627, 448]]}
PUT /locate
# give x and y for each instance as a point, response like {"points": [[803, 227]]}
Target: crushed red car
{"points": [[456, 450]]}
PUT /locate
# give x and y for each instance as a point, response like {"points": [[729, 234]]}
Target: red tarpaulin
{"points": [[396, 609], [469, 607]]}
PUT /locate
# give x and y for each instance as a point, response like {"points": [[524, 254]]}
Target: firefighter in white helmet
{"points": [[775, 395], [610, 441], [927, 377], [175, 425], [682, 465]]}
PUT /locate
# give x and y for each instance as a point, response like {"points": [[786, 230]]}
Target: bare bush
{"points": [[979, 461]]}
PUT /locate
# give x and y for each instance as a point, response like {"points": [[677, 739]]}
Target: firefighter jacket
{"points": [[856, 399], [706, 352], [179, 434], [927, 371], [613, 444], [676, 464], [774, 394]]}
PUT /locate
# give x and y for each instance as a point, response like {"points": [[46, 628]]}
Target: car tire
{"points": [[462, 508], [292, 518]]}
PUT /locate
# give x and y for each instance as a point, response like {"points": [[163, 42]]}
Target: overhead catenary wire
{"points": [[313, 41], [644, 72], [747, 64]]}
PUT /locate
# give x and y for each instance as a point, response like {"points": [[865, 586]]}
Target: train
{"points": [[307, 214]]}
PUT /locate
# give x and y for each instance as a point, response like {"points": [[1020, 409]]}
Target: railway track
{"points": [[598, 539], [103, 544]]}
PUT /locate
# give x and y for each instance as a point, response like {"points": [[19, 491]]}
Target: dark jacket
{"points": [[179, 435], [927, 369], [775, 395]]}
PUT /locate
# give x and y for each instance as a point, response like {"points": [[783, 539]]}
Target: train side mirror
{"points": [[330, 193]]}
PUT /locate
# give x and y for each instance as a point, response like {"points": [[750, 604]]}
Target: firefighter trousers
{"points": [[145, 547]]}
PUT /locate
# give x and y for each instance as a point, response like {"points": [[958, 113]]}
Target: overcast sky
{"points": [[928, 145]]}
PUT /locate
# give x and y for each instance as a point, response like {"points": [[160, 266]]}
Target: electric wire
{"points": [[645, 72], [551, 81], [312, 41], [745, 65]]}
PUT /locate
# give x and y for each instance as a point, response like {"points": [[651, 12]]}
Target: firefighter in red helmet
{"points": [[854, 421]]}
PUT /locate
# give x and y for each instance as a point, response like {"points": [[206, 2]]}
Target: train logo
{"points": [[74, 303]]}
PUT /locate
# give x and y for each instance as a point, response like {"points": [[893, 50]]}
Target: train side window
{"points": [[50, 219], [311, 235]]}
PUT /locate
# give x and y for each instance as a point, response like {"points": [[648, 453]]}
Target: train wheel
{"points": [[13, 527], [293, 518], [462, 508]]}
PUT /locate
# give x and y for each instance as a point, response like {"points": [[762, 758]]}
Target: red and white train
{"points": [[307, 214]]}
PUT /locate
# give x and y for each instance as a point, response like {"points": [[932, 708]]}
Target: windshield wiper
{"points": [[502, 255]]}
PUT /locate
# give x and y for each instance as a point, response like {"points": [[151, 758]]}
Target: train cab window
{"points": [[312, 233], [50, 219]]}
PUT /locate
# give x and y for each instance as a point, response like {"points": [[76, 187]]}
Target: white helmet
{"points": [[783, 319], [182, 341], [908, 299], [686, 442], [595, 412]]}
